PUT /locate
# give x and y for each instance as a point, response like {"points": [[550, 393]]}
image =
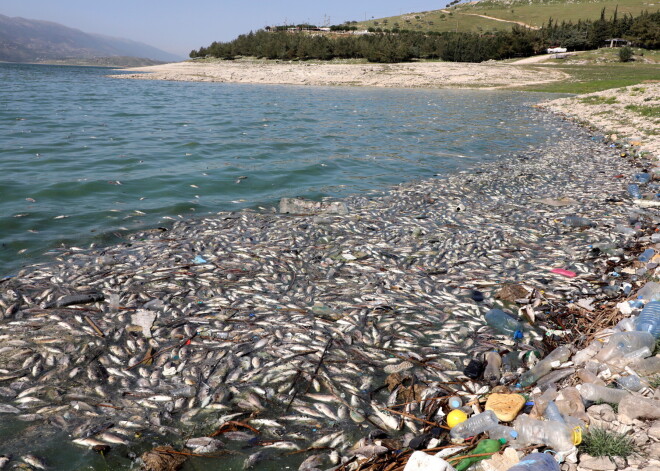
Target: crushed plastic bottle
{"points": [[536, 462], [642, 178], [542, 368], [493, 364], [593, 392], [630, 382], [649, 319], [570, 404], [590, 377], [646, 256], [577, 221], [474, 425], [622, 343], [634, 191], [555, 435], [504, 323]]}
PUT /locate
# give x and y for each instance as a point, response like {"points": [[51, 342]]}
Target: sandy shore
{"points": [[409, 75], [622, 113]]}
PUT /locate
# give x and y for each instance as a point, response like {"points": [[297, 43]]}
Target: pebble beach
{"points": [[302, 332]]}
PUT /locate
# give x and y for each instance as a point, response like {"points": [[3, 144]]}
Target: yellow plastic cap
{"points": [[455, 417]]}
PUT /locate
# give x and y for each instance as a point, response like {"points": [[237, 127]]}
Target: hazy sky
{"points": [[181, 25]]}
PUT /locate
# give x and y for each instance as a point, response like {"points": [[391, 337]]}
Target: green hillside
{"points": [[464, 17]]}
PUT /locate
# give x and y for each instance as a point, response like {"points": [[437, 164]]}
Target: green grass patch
{"points": [[598, 100], [648, 111], [654, 381], [595, 77], [599, 442]]}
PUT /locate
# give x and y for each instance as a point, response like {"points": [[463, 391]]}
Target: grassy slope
{"points": [[593, 71], [531, 12]]}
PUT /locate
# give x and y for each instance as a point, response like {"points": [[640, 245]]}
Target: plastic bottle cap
{"points": [[517, 334], [502, 440], [577, 435], [513, 434], [455, 403], [456, 417]]}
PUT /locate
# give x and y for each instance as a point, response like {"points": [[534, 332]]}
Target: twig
{"points": [[94, 326]]}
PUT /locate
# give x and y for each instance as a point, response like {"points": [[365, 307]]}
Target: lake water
{"points": [[85, 157]]}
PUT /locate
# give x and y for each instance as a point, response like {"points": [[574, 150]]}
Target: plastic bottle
{"points": [[474, 425], [542, 401], [554, 377], [536, 462], [542, 368], [649, 319], [637, 303], [587, 353], [550, 433], [552, 413], [642, 178], [631, 382], [593, 392], [499, 432], [504, 323], [454, 402], [577, 221], [650, 291], [484, 446], [634, 191], [625, 342], [646, 256], [493, 364], [647, 367]]}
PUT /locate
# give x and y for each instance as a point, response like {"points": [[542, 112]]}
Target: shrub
{"points": [[625, 54], [599, 442]]}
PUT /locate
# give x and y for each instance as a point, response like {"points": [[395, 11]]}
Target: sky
{"points": [[178, 26]]}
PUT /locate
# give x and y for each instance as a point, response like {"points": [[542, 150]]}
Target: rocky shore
{"points": [[336, 333], [408, 75]]}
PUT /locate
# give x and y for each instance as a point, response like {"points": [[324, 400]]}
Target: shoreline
{"points": [[402, 75], [269, 288]]}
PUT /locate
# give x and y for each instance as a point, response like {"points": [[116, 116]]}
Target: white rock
{"points": [[601, 463]]}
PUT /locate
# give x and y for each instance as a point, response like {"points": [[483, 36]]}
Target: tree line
{"points": [[402, 45]]}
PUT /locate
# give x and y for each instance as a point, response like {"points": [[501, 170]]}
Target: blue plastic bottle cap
{"points": [[517, 335], [513, 434], [455, 404]]}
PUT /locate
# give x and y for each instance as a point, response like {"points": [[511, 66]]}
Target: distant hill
{"points": [[23, 40], [489, 15]]}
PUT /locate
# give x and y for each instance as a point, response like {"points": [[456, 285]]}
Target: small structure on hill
{"points": [[616, 42]]}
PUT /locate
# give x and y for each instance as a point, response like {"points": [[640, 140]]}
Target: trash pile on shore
{"points": [[349, 337]]}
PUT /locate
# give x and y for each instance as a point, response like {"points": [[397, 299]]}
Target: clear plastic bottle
{"points": [[593, 392], [542, 368], [536, 462], [493, 364], [634, 191], [474, 425], [504, 323], [552, 413], [542, 401], [454, 402], [650, 291], [630, 382], [625, 342], [646, 367], [554, 377], [587, 353], [498, 432], [550, 433], [642, 178], [577, 221], [649, 319]]}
